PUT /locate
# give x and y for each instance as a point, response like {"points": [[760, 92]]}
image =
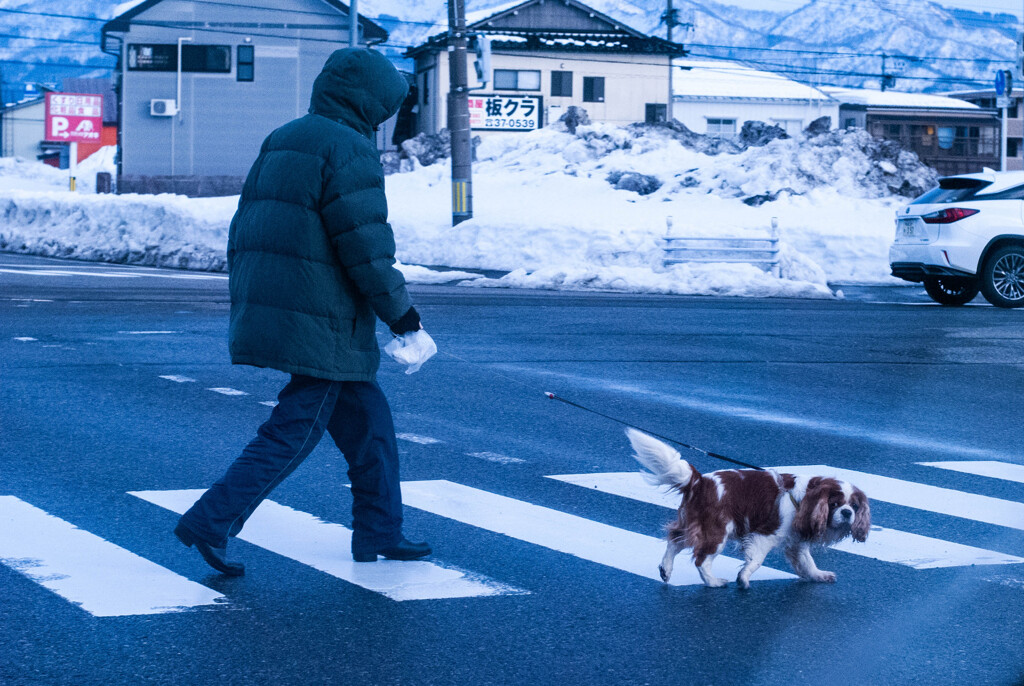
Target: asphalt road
{"points": [[106, 411]]}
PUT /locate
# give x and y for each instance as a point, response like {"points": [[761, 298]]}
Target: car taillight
{"points": [[953, 214]]}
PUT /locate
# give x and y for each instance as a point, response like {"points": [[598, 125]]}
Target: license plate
{"points": [[907, 228]]}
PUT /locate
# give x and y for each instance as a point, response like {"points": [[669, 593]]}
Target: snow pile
{"points": [[554, 209]]}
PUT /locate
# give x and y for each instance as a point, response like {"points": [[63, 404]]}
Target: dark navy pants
{"points": [[357, 416]]}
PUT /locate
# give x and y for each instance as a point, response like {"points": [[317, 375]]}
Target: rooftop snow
{"points": [[865, 96], [480, 15], [718, 79], [126, 6]]}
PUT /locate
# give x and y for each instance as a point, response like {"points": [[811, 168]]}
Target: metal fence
{"points": [[762, 251]]}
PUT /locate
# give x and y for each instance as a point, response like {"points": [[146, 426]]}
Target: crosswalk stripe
{"points": [[888, 545], [607, 545], [992, 468], [103, 579], [326, 547], [980, 508]]}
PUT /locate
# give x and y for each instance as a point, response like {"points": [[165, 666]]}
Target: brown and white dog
{"points": [[759, 510]]}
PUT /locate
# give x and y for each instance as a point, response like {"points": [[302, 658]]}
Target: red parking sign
{"points": [[74, 118]]}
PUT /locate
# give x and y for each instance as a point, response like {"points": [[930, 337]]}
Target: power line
{"points": [[58, 64], [55, 40]]}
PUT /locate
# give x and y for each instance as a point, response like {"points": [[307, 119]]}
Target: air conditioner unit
{"points": [[163, 108]]}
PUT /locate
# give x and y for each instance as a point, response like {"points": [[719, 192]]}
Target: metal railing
{"points": [[762, 251]]}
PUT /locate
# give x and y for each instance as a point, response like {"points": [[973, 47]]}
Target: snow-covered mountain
{"points": [[842, 42]]}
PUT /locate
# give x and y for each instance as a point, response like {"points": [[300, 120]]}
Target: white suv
{"points": [[964, 236]]}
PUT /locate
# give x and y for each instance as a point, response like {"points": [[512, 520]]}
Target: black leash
{"points": [[651, 433]]}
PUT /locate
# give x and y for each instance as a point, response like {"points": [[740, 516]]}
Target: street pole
{"points": [[73, 166], [458, 114], [353, 23], [670, 20], [1002, 153]]}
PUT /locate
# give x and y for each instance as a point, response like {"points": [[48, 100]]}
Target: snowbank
{"points": [[547, 211]]}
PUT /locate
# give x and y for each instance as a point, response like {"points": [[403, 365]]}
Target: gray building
{"points": [[195, 127]]}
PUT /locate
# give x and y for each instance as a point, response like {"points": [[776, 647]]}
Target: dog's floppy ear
{"points": [[811, 518], [862, 520]]}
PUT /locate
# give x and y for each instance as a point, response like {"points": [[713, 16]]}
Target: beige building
{"points": [[547, 55], [22, 130]]}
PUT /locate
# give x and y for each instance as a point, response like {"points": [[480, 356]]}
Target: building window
{"points": [[1013, 147], [722, 128], [850, 123], [246, 62], [654, 113], [561, 83], [516, 80], [593, 89], [425, 87], [1014, 110], [893, 131], [194, 58]]}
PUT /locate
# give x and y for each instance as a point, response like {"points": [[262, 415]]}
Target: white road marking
{"points": [[888, 545], [584, 538], [113, 272], [996, 470], [326, 547], [227, 391], [103, 579], [497, 457], [145, 333], [980, 508], [178, 379], [413, 438], [25, 339], [62, 272]]}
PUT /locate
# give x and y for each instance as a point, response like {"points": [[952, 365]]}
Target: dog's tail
{"points": [[666, 465]]}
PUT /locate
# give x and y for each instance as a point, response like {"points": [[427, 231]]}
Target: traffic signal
{"points": [[482, 63]]}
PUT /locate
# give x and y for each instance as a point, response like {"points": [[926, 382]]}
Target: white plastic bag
{"points": [[412, 349]]}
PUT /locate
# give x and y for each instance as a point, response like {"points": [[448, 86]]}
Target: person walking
{"points": [[311, 268]]}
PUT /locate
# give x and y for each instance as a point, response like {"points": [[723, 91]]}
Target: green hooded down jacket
{"points": [[310, 253]]}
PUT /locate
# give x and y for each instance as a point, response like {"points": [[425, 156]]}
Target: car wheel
{"points": [[1002, 278], [951, 290]]}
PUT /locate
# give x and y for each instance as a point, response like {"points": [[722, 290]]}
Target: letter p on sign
{"points": [[59, 127]]}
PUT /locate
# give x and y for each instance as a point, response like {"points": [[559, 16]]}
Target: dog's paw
{"points": [[743, 581], [824, 577], [666, 573], [715, 582]]}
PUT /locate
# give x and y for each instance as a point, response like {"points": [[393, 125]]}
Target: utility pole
{"points": [[670, 21], [458, 114], [887, 79], [353, 23]]}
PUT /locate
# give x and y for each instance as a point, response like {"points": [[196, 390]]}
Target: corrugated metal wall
{"points": [[210, 146]]}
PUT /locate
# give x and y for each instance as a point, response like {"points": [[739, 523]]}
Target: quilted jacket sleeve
{"points": [[355, 211]]}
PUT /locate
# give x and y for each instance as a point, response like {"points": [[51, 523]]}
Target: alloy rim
{"points": [[1008, 276]]}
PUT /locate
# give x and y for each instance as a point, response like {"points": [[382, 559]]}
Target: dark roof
{"points": [[371, 32], [104, 87], [597, 33]]}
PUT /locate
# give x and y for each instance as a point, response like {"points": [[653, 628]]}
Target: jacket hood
{"points": [[358, 87]]}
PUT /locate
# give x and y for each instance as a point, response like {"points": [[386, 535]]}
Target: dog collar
{"points": [[796, 505]]}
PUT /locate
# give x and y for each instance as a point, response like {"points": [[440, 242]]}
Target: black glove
{"points": [[410, 321]]}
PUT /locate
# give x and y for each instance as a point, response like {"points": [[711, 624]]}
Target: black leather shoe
{"points": [[404, 550], [215, 557]]}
